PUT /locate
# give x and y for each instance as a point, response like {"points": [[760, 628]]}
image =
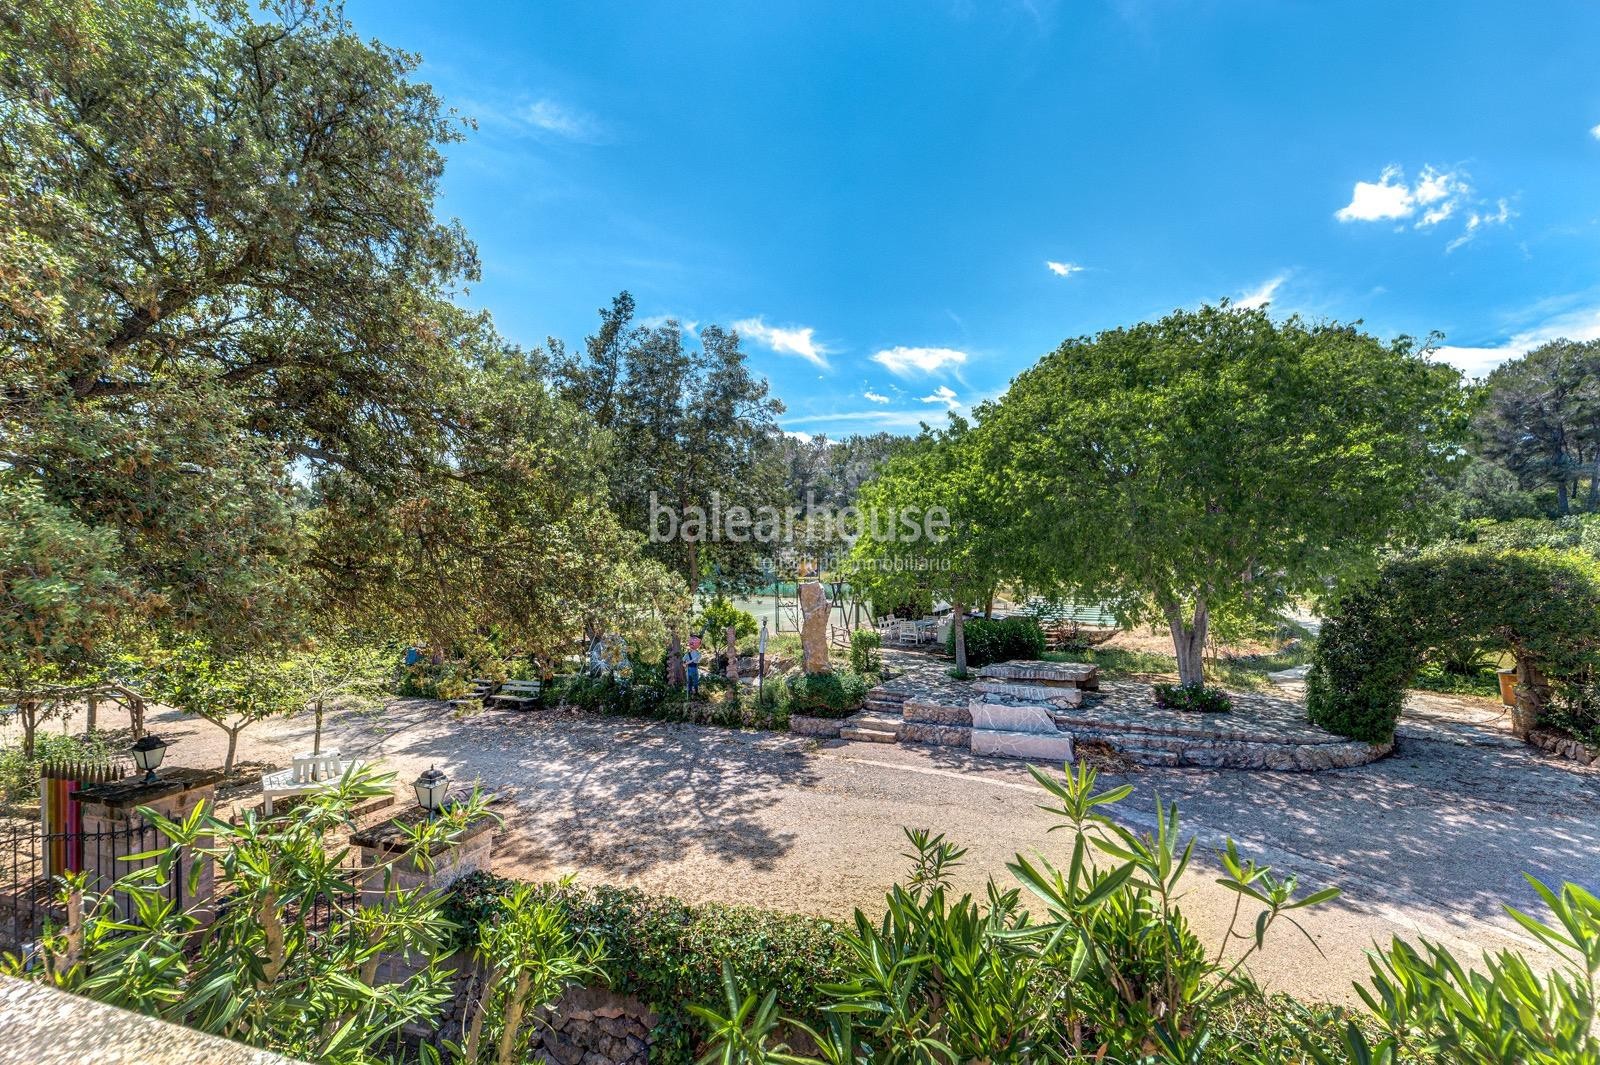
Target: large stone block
{"points": [[1012, 717], [1006, 744]]}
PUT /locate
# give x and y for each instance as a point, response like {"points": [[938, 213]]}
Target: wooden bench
{"points": [[306, 773], [517, 695]]}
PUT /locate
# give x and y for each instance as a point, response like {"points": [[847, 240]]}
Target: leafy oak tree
{"points": [[1217, 460]]}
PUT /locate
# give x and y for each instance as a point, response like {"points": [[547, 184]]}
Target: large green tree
{"points": [[1216, 460], [692, 429], [1540, 420], [220, 278]]}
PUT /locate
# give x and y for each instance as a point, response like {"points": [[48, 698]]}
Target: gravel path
{"points": [[1429, 841]]}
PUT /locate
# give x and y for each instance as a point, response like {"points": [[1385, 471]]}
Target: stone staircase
{"points": [[881, 700], [872, 726]]}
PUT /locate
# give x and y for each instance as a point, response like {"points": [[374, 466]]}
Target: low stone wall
{"points": [[594, 1026], [1155, 749], [1563, 746], [805, 725]]}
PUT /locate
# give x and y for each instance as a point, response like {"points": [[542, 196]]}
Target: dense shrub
{"points": [[448, 680], [1543, 606], [718, 614], [864, 657], [999, 640], [836, 694], [669, 954], [1193, 698]]}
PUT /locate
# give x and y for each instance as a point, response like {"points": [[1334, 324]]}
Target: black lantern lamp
{"points": [[147, 755], [430, 788]]}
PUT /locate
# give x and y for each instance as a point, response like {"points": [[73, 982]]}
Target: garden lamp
{"points": [[430, 788], [147, 755]]}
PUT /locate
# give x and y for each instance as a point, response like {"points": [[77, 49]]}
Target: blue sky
{"points": [[902, 205]]}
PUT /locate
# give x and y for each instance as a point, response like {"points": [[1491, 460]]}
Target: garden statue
{"points": [[813, 621], [733, 654]]}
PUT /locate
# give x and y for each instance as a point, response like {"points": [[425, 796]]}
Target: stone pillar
{"points": [[1531, 693], [732, 638], [113, 828], [385, 852], [814, 625]]}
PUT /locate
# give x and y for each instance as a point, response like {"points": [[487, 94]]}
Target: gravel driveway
{"points": [[1429, 841]]}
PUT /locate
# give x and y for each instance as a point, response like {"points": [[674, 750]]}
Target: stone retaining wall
{"points": [[805, 725], [594, 1026], [1563, 746]]}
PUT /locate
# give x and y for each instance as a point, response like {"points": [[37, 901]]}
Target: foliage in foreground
{"points": [[1111, 972], [839, 693], [292, 960]]}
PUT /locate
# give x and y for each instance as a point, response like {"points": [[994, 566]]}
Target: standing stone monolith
{"points": [[733, 654], [813, 623]]}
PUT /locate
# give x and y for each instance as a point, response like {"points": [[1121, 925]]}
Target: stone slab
{"points": [[1005, 744], [1006, 717], [1058, 696], [1073, 674]]}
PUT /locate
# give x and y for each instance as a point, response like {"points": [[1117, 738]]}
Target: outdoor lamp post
{"points": [[147, 755], [430, 788]]}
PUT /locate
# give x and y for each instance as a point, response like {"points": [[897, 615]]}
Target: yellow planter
{"points": [[1508, 686]]}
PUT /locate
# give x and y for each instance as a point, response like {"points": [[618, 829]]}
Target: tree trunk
{"points": [[233, 745], [988, 605], [1594, 483], [136, 716], [92, 714], [316, 734], [1189, 640], [1561, 498], [28, 711], [959, 630]]}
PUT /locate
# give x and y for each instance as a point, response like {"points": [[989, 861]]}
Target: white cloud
{"points": [[1581, 324], [868, 419], [1062, 269], [796, 340], [1595, 132], [874, 397], [943, 394], [1436, 197], [1479, 219], [904, 362], [555, 117], [1437, 193], [1260, 296], [1372, 201]]}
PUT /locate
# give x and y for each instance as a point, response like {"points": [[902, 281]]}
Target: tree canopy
{"points": [[1218, 460]]}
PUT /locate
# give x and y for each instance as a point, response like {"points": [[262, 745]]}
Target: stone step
{"points": [[885, 722], [883, 705], [869, 735]]}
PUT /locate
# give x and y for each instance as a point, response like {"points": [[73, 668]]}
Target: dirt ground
{"points": [[1431, 841]]}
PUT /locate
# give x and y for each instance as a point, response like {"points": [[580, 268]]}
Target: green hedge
{"points": [[669, 954], [998, 640], [836, 694], [1543, 606]]}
